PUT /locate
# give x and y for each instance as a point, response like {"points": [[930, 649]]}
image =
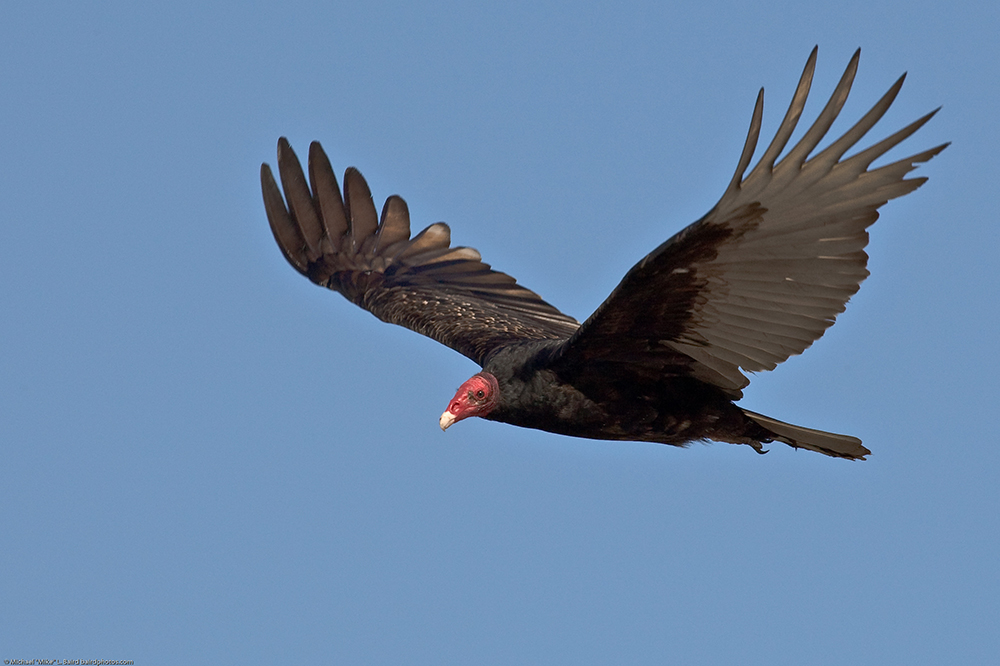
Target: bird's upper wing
{"points": [[446, 293], [768, 269]]}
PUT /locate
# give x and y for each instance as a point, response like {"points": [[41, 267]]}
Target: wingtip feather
{"points": [[286, 232]]}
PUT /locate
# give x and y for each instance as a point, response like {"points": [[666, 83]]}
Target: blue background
{"points": [[207, 459]]}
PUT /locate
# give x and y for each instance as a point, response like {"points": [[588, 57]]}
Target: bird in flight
{"points": [[759, 278]]}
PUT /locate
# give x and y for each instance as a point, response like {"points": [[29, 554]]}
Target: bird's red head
{"points": [[476, 397]]}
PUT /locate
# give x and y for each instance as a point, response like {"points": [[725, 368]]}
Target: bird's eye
{"points": [[480, 394]]}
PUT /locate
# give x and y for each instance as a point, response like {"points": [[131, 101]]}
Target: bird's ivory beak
{"points": [[446, 420]]}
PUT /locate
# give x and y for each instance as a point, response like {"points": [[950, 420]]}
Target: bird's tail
{"points": [[831, 444]]}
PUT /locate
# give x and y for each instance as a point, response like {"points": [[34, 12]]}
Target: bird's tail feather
{"points": [[831, 444]]}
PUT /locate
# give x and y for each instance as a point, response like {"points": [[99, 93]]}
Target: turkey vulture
{"points": [[759, 278]]}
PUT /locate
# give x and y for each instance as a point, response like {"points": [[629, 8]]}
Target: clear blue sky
{"points": [[207, 459]]}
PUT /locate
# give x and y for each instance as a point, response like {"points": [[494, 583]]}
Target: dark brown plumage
{"points": [[758, 279]]}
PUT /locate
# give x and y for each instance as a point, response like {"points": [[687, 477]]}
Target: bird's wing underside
{"points": [[446, 293], [768, 269]]}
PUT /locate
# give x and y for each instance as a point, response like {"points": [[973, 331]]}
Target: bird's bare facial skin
{"points": [[476, 397]]}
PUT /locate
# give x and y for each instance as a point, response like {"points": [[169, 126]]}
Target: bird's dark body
{"points": [[538, 392], [757, 279]]}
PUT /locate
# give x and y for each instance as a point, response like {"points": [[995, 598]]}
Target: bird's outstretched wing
{"points": [[768, 269], [446, 293]]}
